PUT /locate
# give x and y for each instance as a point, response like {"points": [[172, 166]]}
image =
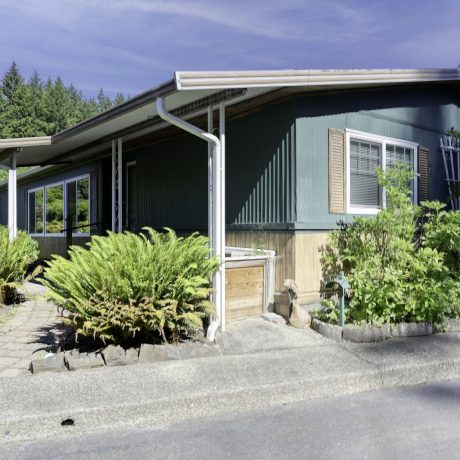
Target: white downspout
{"points": [[218, 222], [12, 200]]}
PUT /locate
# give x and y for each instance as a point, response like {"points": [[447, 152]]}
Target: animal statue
{"points": [[298, 317]]}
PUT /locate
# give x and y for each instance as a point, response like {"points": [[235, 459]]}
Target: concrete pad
{"points": [[11, 373], [6, 361], [257, 335]]}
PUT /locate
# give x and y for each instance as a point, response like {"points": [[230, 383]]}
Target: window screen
{"points": [[55, 208], [365, 157], [36, 211]]}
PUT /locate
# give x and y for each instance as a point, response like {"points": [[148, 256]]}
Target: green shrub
{"points": [[396, 274], [15, 257], [152, 285]]}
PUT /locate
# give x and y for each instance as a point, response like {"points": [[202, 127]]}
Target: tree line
{"points": [[36, 107]]}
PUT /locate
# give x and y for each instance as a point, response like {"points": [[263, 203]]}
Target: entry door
{"points": [[131, 196]]}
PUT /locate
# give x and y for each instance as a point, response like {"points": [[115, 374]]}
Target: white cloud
{"points": [[304, 20]]}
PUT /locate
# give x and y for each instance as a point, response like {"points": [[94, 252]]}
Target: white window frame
{"points": [[382, 140], [75, 179], [33, 190], [64, 184], [46, 187]]}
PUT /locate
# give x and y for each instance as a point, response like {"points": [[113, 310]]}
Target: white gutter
{"points": [[310, 78], [24, 142], [218, 216]]}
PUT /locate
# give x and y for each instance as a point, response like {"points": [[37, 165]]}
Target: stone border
{"points": [[371, 334], [117, 356]]}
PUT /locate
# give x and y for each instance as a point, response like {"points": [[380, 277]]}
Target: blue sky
{"points": [[132, 45]]}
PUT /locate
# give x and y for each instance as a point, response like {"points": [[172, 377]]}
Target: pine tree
{"points": [[36, 108]]}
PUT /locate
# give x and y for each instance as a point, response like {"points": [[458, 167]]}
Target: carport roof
{"points": [[186, 94]]}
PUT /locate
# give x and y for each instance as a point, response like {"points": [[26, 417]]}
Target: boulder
{"points": [[75, 360], [115, 355], [51, 363], [366, 333], [412, 329], [329, 331]]}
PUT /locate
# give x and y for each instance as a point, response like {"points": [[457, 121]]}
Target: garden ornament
{"points": [[298, 317]]}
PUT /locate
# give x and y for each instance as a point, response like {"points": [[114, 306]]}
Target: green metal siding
{"points": [[419, 116], [261, 168], [172, 184], [260, 172]]}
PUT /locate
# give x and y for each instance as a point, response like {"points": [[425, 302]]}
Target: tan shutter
{"points": [[424, 174], [337, 171]]}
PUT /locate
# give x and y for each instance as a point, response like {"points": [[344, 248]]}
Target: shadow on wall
{"points": [[261, 167]]}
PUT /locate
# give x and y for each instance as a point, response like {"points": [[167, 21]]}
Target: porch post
{"points": [[12, 199], [222, 207], [120, 185], [114, 172], [117, 185]]}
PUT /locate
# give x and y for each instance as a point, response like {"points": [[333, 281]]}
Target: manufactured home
{"points": [[265, 160]]}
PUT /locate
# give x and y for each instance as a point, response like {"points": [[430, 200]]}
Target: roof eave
{"points": [[310, 78]]}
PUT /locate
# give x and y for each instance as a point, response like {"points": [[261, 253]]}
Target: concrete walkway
{"points": [[27, 335]]}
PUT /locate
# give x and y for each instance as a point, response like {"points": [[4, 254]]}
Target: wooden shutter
{"points": [[424, 174], [337, 171], [94, 215]]}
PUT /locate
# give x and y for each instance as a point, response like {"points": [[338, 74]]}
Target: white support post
{"points": [[117, 185], [210, 187], [211, 235], [114, 174], [218, 213], [12, 200], [120, 185], [222, 207]]}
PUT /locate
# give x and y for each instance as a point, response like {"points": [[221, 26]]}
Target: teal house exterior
{"points": [[298, 150]]}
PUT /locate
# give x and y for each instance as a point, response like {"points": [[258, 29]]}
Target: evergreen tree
{"points": [[104, 102], [36, 108], [10, 82]]}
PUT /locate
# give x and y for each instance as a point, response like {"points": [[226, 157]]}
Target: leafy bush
{"points": [[15, 257], [154, 285], [398, 271]]}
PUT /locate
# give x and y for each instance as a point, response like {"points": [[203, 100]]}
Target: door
{"points": [[131, 196]]}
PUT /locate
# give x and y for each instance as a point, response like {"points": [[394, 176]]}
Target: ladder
{"points": [[450, 148]]}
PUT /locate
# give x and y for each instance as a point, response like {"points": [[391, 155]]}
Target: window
{"points": [[366, 153], [36, 211], [48, 206], [54, 208], [78, 204]]}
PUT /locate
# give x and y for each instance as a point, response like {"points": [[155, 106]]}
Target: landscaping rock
{"points": [[151, 353], [366, 333], [118, 356], [52, 363], [453, 325], [327, 330], [411, 329], [132, 355], [274, 318], [75, 360]]}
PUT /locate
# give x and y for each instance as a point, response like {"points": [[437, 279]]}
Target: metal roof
{"points": [[135, 117]]}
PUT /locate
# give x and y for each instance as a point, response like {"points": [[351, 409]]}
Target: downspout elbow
{"points": [[185, 125]]}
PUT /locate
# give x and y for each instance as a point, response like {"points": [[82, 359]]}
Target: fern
{"points": [[15, 257], [124, 285]]}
